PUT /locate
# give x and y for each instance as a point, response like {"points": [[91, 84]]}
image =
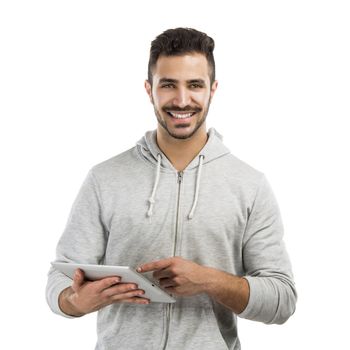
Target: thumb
{"points": [[78, 279]]}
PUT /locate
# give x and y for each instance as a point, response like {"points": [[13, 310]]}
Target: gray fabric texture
{"points": [[131, 209]]}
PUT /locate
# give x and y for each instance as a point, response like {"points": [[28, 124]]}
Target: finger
{"points": [[78, 279], [127, 295], [164, 273], [106, 283], [155, 265], [167, 282], [136, 300], [120, 288]]}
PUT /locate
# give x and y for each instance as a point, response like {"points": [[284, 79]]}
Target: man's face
{"points": [[181, 93]]}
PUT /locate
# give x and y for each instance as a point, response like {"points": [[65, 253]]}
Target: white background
{"points": [[72, 95]]}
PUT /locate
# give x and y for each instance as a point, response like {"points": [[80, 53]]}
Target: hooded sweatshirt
{"points": [[219, 212]]}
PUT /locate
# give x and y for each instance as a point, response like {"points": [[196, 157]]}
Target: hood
{"points": [[213, 149]]}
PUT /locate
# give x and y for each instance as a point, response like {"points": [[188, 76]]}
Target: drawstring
{"points": [[151, 199], [190, 215]]}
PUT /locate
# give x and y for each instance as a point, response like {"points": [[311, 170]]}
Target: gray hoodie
{"points": [[219, 212]]}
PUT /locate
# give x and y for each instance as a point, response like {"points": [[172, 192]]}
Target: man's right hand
{"points": [[84, 296]]}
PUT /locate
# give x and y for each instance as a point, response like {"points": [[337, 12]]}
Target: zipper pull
{"points": [[179, 177]]}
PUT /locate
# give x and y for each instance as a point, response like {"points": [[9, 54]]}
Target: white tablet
{"points": [[127, 274]]}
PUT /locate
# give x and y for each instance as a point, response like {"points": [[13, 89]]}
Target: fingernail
{"points": [[139, 269]]}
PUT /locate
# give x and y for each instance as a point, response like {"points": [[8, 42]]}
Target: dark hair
{"points": [[181, 41]]}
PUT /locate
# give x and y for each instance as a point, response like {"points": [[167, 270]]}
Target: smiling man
{"points": [[181, 89], [181, 208]]}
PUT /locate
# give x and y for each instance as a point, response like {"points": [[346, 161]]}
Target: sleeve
{"points": [[267, 266], [83, 240]]}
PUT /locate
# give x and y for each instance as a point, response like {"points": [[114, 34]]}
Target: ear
{"points": [[214, 86], [148, 88]]}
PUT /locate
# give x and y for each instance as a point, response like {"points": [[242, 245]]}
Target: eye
{"points": [[167, 86], [196, 86]]}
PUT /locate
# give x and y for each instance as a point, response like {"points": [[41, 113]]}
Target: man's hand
{"points": [[84, 296], [178, 276], [186, 278]]}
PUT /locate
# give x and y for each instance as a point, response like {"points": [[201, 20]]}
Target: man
{"points": [[179, 206]]}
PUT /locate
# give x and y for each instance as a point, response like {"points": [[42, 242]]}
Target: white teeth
{"points": [[181, 116]]}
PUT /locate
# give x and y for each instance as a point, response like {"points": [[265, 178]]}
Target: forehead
{"points": [[185, 67]]}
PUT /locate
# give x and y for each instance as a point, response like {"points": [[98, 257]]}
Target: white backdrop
{"points": [[72, 95]]}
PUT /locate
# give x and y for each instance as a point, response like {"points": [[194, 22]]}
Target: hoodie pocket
{"points": [[193, 326], [214, 330]]}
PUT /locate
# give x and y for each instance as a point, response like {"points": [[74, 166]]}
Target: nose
{"points": [[182, 98]]}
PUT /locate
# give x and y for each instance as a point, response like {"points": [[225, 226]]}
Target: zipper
{"points": [[169, 306], [179, 181]]}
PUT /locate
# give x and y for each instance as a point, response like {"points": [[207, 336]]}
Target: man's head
{"points": [[179, 42], [181, 80]]}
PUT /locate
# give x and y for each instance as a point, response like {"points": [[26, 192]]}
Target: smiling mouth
{"points": [[182, 115]]}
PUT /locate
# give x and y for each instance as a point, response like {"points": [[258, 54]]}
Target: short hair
{"points": [[182, 41]]}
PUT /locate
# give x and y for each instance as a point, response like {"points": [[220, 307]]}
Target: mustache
{"points": [[185, 109]]}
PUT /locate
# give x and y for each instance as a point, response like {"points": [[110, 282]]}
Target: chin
{"points": [[182, 134]]}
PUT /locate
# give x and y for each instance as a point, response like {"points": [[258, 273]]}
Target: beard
{"points": [[199, 122]]}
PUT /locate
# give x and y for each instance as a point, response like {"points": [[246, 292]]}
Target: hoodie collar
{"points": [[213, 149]]}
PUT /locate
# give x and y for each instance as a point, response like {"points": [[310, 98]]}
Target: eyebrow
{"points": [[191, 81]]}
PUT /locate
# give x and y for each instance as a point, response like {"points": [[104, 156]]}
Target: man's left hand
{"points": [[178, 276]]}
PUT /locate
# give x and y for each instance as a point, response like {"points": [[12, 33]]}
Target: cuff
{"points": [[53, 294], [255, 301]]}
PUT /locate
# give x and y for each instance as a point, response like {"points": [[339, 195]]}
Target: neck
{"points": [[181, 152]]}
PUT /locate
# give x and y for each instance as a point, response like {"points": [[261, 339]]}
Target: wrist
{"points": [[229, 290], [211, 281], [66, 305]]}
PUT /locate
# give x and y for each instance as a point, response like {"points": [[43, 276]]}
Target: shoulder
{"points": [[243, 171], [120, 164]]}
